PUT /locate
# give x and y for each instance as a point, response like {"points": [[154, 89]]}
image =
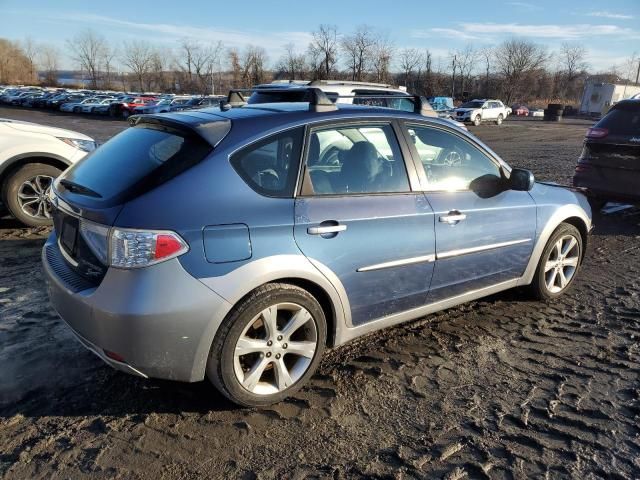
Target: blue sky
{"points": [[609, 30]]}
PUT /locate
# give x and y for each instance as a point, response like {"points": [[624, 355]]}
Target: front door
{"points": [[484, 232], [356, 215]]}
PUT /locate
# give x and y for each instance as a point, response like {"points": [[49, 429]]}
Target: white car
{"points": [[478, 111], [352, 92], [77, 106], [31, 157], [89, 107]]}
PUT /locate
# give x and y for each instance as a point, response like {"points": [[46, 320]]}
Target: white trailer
{"points": [[598, 97]]}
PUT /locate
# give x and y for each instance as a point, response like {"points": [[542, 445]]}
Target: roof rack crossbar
{"points": [[318, 100]]}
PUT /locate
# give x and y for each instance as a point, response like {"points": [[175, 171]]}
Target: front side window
{"points": [[270, 167], [354, 159], [451, 163]]}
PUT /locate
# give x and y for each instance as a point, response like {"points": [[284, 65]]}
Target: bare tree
{"points": [[381, 59], [49, 57], [253, 64], [87, 49], [572, 59], [358, 49], [30, 50], [323, 50], [137, 56], [466, 58], [410, 58], [487, 56], [292, 62], [215, 66], [236, 68], [109, 55], [515, 60]]}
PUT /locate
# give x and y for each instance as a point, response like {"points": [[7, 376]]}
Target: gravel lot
{"points": [[499, 388]]}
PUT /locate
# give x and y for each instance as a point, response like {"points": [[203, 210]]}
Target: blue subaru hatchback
{"points": [[238, 243]]}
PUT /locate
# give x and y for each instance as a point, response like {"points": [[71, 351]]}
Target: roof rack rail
{"points": [[318, 100], [420, 104], [349, 82]]}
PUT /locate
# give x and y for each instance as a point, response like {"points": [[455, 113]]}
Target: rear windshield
{"points": [[622, 121], [278, 97], [137, 160]]}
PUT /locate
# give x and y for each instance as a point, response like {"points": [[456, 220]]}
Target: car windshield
{"points": [[472, 104]]}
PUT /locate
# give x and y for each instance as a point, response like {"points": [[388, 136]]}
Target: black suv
{"points": [[609, 166]]}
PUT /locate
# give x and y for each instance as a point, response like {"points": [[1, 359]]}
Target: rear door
{"points": [[360, 215], [484, 233]]}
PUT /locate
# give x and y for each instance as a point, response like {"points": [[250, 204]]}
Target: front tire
{"points": [[25, 193], [559, 263], [268, 346], [499, 120]]}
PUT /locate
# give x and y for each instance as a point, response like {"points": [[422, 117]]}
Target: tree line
{"points": [[514, 70]]}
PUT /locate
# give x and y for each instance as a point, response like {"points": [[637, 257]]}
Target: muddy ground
{"points": [[499, 388]]}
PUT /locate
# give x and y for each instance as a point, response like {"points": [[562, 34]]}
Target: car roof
{"points": [[290, 113]]}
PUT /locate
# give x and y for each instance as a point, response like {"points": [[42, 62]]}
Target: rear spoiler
{"points": [[211, 131], [319, 101]]}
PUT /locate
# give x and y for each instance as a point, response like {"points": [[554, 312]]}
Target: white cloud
{"points": [[605, 14], [524, 6], [273, 42], [489, 31]]}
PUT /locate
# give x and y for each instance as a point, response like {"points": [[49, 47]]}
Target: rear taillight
{"points": [[141, 248], [596, 132]]}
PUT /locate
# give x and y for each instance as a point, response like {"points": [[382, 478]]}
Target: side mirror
{"points": [[521, 180]]}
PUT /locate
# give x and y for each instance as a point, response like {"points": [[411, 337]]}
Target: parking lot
{"points": [[499, 388]]}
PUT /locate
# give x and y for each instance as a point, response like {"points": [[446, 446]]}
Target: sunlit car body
{"points": [[237, 242], [90, 106], [77, 106]]}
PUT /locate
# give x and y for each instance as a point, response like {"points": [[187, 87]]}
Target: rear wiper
{"points": [[77, 188]]}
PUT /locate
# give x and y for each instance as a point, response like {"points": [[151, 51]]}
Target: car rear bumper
{"points": [[609, 183], [159, 321]]}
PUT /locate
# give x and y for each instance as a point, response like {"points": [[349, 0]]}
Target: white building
{"points": [[598, 97]]}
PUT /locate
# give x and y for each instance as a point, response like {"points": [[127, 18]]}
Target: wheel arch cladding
{"points": [[323, 299], [582, 228]]}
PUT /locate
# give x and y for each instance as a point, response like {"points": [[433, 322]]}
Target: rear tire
{"points": [[252, 360], [24, 193], [477, 120], [559, 263]]}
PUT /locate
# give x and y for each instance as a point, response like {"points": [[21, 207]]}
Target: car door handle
{"points": [[453, 217], [327, 229]]}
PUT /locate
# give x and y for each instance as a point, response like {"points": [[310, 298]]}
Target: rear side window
{"points": [[621, 121], [270, 166], [137, 160]]}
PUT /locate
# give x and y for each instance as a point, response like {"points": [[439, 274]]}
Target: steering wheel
{"points": [[453, 159]]}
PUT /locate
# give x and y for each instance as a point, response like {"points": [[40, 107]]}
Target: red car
{"points": [[520, 110], [125, 108]]}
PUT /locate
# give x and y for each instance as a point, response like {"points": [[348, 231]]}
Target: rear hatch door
{"points": [[88, 197]]}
